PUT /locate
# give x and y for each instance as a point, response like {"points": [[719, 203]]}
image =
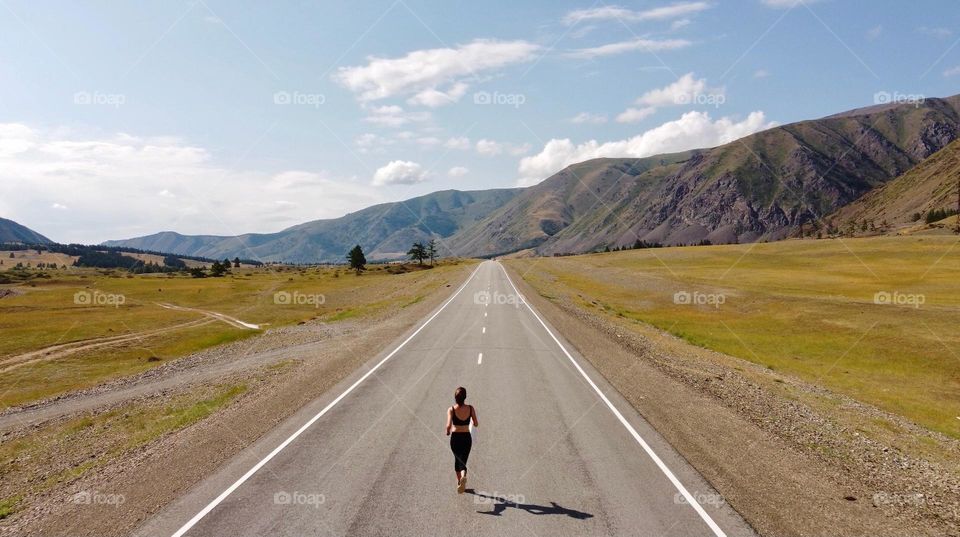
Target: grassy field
{"points": [[48, 312], [876, 319]]}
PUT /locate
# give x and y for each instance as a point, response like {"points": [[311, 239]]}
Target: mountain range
{"points": [[761, 187], [385, 231]]}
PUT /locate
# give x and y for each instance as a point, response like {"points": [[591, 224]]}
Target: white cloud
{"points": [[517, 150], [422, 73], [617, 13], [458, 171], [489, 148], [641, 44], [429, 141], [784, 4], [684, 91], [581, 31], [761, 73], [953, 71], [938, 32], [634, 115], [874, 33], [461, 142], [433, 98], [369, 142], [680, 23], [399, 172], [39, 166], [59, 206], [692, 130], [587, 117], [394, 116], [16, 138]]}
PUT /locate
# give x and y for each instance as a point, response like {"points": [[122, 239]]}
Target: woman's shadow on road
{"points": [[501, 504]]}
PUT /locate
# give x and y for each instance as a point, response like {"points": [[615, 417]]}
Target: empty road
{"points": [[558, 451]]}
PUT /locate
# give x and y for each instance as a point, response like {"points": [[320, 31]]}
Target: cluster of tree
{"points": [[174, 262], [153, 268], [20, 247], [77, 250], [217, 269], [829, 229], [419, 252], [93, 258], [641, 244], [936, 215]]}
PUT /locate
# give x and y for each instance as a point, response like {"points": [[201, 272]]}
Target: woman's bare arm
{"points": [[449, 420], [474, 414]]}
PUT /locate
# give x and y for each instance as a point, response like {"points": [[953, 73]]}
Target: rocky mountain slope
{"points": [[761, 187], [931, 185]]}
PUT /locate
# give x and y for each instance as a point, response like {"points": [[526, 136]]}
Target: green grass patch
{"points": [[8, 506], [416, 300], [343, 315], [145, 427]]}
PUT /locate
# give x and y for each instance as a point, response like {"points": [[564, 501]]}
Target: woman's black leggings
{"points": [[460, 444]]}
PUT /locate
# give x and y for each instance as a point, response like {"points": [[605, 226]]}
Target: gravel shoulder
{"points": [[280, 371], [790, 457]]}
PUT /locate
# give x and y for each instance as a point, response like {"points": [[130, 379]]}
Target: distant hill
{"points": [[385, 231], [11, 231], [931, 185], [761, 187]]}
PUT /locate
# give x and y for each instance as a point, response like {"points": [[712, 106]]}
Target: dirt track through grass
{"points": [[74, 330]]}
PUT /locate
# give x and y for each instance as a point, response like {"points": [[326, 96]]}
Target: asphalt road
{"points": [[558, 451]]}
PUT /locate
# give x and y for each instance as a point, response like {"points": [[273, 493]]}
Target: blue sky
{"points": [[120, 119]]}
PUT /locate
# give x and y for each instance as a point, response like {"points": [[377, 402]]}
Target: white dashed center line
{"points": [[484, 330], [480, 359]]}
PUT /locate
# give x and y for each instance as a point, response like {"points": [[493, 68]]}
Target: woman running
{"points": [[458, 429]]}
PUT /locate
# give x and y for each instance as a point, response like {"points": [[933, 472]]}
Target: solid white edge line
{"points": [[636, 436], [480, 358], [206, 510]]}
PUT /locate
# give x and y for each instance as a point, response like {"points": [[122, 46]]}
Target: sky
{"points": [[122, 119]]}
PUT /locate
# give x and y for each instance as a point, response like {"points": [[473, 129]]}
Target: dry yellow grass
{"points": [[813, 309], [93, 306]]}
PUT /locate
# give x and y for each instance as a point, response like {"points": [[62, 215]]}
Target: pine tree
{"points": [[418, 252], [432, 251], [357, 259]]}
